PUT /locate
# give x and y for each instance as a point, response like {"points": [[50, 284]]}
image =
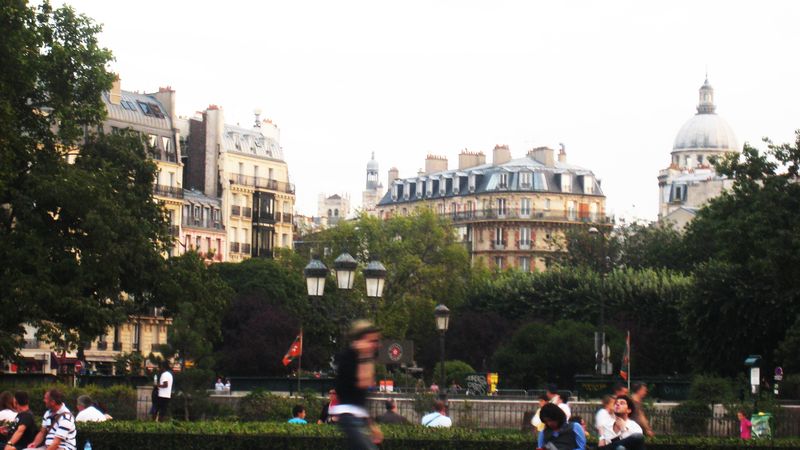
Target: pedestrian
{"points": [[354, 376], [437, 418], [325, 416], [88, 412], [24, 430], [164, 392], [638, 395], [227, 386], [559, 434], [434, 388], [745, 426], [604, 421], [219, 386], [58, 426], [391, 416], [8, 413], [555, 398], [536, 420], [628, 434], [620, 389], [298, 415]]}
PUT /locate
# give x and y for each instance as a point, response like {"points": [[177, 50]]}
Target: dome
{"points": [[706, 131], [372, 165]]}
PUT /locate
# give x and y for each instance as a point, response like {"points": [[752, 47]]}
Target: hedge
{"points": [[118, 401], [119, 435]]}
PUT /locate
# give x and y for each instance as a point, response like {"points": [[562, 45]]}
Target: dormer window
{"points": [[419, 189], [456, 184], [471, 182], [429, 188], [566, 182], [394, 191], [588, 184], [442, 186], [167, 143], [525, 179], [503, 182]]}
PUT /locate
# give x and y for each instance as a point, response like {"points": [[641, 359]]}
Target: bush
{"points": [[691, 417], [264, 406], [453, 371], [118, 401], [711, 390]]}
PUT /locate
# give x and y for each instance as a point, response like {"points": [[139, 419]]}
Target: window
{"points": [[498, 262], [255, 171], [237, 142], [501, 206], [525, 263], [547, 204], [166, 143], [566, 182], [336, 212], [208, 244], [471, 182], [453, 209], [271, 174], [503, 183], [699, 159], [525, 179], [285, 240], [571, 213], [127, 105], [588, 184], [241, 168], [155, 110], [137, 330], [197, 243], [498, 236], [171, 179], [152, 141], [197, 212], [525, 207], [525, 236]]}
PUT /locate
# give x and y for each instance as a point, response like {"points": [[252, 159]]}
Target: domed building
{"points": [[373, 190], [691, 180]]}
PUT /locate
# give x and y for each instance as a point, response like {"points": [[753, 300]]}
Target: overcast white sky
{"points": [[613, 80]]}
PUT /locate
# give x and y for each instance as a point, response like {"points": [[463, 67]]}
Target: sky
{"points": [[612, 80]]}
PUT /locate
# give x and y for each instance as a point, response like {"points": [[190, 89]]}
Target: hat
{"points": [[361, 327]]}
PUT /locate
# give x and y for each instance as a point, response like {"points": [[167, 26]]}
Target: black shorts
{"points": [[162, 407]]}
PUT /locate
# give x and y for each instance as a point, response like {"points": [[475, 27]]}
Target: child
{"points": [[744, 425]]}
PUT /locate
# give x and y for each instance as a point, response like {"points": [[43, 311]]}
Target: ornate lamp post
{"points": [[375, 274], [315, 273], [442, 316], [601, 350], [345, 267]]}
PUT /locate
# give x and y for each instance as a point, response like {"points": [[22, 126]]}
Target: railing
{"points": [[199, 223], [247, 212], [168, 191], [548, 216], [102, 345], [236, 210], [287, 218], [155, 347], [234, 247], [117, 346], [498, 244], [174, 230], [265, 216], [246, 249], [263, 183], [525, 245], [162, 155]]}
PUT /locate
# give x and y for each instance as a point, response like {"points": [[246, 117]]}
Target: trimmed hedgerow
{"points": [[269, 435]]}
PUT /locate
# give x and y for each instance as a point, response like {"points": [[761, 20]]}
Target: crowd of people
{"points": [[57, 431]]}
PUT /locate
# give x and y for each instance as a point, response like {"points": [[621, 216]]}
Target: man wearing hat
{"points": [[355, 374]]}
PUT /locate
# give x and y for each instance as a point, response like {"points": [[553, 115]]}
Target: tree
{"points": [[746, 247], [454, 371], [80, 236]]}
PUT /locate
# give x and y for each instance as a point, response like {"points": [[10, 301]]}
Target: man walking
{"points": [[639, 393], [354, 376], [58, 426], [164, 386]]}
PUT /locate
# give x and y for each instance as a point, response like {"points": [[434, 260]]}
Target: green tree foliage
{"points": [[652, 246], [78, 226], [746, 244], [788, 353], [454, 370], [540, 352]]}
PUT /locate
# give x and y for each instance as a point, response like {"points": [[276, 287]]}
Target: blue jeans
{"points": [[357, 432]]}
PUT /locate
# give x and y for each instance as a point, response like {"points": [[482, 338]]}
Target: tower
{"points": [[374, 189]]}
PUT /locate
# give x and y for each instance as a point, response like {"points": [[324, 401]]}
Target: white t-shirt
{"points": [[165, 392], [604, 422], [8, 415], [219, 386], [91, 414], [436, 419], [631, 427]]}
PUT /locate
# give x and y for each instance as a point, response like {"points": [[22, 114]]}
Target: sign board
{"points": [[477, 384], [78, 366], [779, 373], [395, 351]]}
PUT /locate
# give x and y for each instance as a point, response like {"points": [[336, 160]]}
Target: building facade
{"points": [[333, 208], [510, 212], [244, 168], [690, 180], [202, 229]]}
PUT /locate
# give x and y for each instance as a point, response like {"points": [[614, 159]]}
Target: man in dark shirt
{"points": [[354, 376], [391, 416], [24, 430]]}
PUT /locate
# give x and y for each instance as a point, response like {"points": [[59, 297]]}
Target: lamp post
{"points": [[345, 267], [375, 275], [315, 273], [442, 316], [601, 350]]}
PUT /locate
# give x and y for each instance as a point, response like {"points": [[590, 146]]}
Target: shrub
{"points": [[691, 417], [118, 401], [453, 370], [711, 390], [264, 406]]}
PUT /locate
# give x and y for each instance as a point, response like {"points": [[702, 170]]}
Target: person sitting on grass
{"points": [[438, 418], [88, 412], [559, 434], [298, 415]]}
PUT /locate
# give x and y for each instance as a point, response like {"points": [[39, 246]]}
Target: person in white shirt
{"points": [[629, 434], [438, 418], [164, 392], [87, 412], [8, 413], [227, 385], [604, 421], [555, 398], [219, 386]]}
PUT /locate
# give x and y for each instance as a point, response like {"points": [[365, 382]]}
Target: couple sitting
{"points": [[615, 427], [618, 432]]}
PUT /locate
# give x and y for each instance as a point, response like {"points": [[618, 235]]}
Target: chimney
{"points": [[467, 159], [434, 163], [544, 155], [393, 175], [166, 96], [500, 155], [562, 153], [115, 96]]}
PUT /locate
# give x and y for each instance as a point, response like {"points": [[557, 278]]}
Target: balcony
{"points": [[234, 247], [168, 191], [264, 216], [247, 212], [236, 210], [286, 218], [498, 244], [102, 345], [246, 249], [525, 244], [262, 183], [199, 223], [511, 214], [117, 346]]}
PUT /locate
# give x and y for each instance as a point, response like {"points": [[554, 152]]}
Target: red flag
{"points": [[626, 359], [295, 350]]}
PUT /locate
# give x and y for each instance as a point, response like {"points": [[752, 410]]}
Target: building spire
{"points": [[706, 103]]}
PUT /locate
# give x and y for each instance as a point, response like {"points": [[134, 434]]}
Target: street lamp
{"points": [[600, 348], [345, 267], [315, 273], [442, 316], [375, 274]]}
